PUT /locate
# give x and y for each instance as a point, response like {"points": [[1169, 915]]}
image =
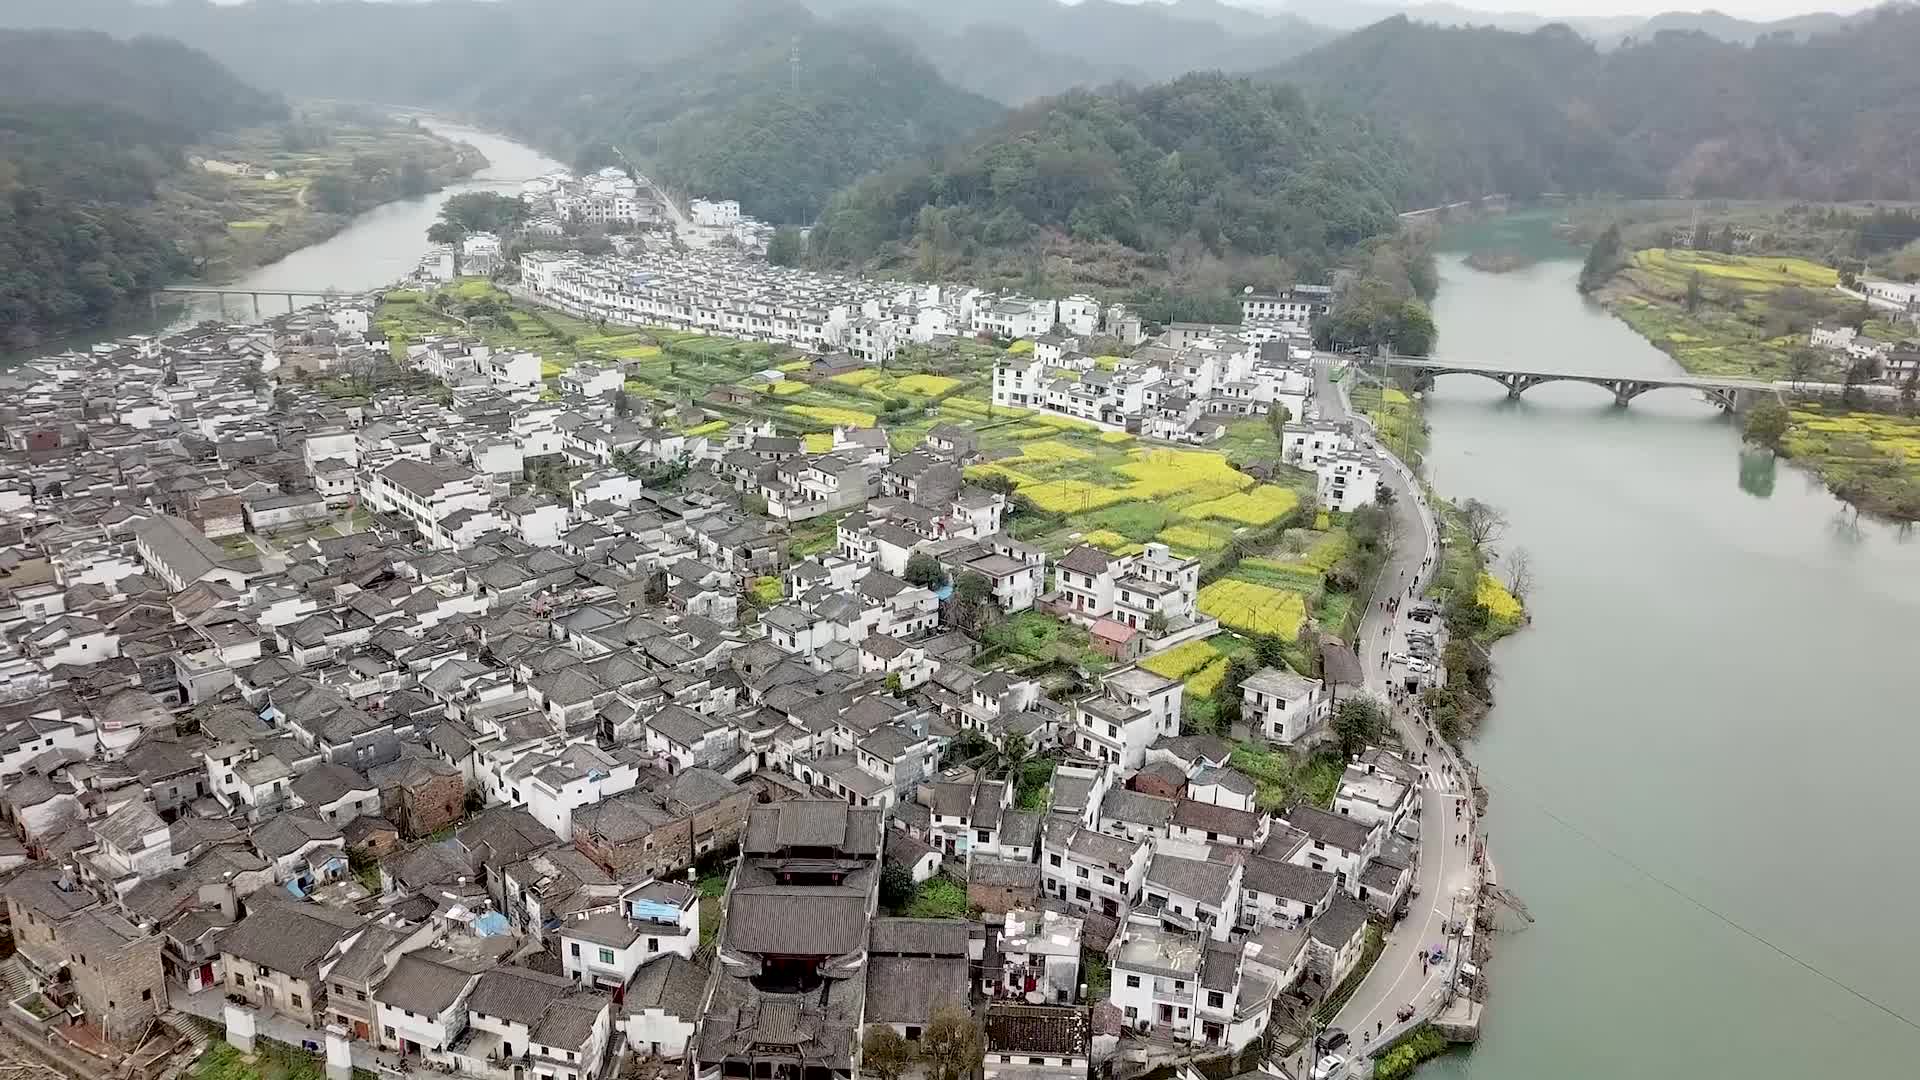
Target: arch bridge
{"points": [[1732, 395]]}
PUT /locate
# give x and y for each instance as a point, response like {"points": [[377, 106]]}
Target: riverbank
{"points": [[1450, 872], [1648, 854], [1500, 262], [1748, 316], [263, 193]]}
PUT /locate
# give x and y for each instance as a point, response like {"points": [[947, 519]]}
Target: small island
{"points": [[1500, 261]]}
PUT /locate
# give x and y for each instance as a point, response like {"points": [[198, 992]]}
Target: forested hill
{"points": [[701, 91], [1206, 163], [1684, 114], [156, 79], [89, 126], [734, 117], [1017, 50]]}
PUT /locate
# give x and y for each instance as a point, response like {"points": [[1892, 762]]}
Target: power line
{"points": [[1717, 913]]}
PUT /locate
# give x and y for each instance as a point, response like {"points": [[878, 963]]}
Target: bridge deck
{"points": [[1441, 367], [239, 290]]}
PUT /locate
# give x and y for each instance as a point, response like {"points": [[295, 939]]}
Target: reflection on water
{"points": [[1679, 742], [1757, 470]]}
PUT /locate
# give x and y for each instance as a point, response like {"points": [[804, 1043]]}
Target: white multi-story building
{"points": [[1282, 706], [1348, 481], [1298, 306], [714, 213], [439, 499]]}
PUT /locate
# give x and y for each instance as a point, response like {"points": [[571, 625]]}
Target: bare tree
{"points": [[1482, 523], [1519, 572]]}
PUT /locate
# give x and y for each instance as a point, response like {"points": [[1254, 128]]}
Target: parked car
{"points": [[1330, 1066], [1333, 1039]]}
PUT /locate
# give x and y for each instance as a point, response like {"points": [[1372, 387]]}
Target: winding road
{"points": [[1397, 978]]}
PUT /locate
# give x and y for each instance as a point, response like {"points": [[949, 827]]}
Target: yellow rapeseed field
{"points": [[818, 442], [827, 414], [1208, 679], [930, 385], [1261, 506], [1053, 450], [711, 427], [1254, 609], [859, 378], [1111, 542], [1191, 538], [1182, 660]]}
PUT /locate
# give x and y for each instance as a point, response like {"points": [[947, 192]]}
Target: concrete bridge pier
{"points": [[1518, 383]]}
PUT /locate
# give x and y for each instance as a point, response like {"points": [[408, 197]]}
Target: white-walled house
{"points": [[421, 1007], [662, 1007], [1134, 708], [1282, 706], [604, 950]]}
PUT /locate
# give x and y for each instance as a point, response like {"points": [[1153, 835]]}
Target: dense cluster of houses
{"points": [[609, 196], [718, 292], [335, 715], [1184, 392]]}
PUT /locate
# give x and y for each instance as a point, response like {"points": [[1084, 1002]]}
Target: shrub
{"points": [[1493, 596], [1419, 1045]]}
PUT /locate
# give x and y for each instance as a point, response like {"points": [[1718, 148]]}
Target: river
{"points": [[385, 243], [1698, 757], [382, 245]]}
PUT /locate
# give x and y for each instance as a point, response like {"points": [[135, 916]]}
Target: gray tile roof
{"points": [[425, 982]]}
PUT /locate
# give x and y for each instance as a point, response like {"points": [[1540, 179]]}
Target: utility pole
{"points": [[793, 62]]}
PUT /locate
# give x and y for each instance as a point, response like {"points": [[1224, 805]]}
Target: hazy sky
{"points": [[1745, 9]]}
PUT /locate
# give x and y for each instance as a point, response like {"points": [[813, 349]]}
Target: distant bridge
{"points": [[1733, 395], [290, 294]]}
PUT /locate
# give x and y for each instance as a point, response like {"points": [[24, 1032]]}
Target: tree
{"points": [[1157, 624], [1482, 523], [1863, 369], [785, 249], [1603, 258], [1383, 494], [331, 193], [484, 211], [1694, 292], [1519, 573], [951, 1044], [972, 600], [451, 234], [1802, 365], [1359, 722], [883, 1051], [1767, 424], [893, 684], [1013, 749], [925, 571], [1278, 417], [896, 888]]}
